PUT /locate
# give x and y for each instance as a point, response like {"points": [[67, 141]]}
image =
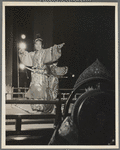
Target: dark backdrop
{"points": [[87, 31]]}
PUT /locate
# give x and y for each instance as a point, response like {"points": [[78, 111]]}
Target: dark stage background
{"points": [[87, 31]]}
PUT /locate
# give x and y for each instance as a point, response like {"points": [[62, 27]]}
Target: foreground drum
{"points": [[94, 116]]}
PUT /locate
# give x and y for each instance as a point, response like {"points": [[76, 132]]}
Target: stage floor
{"points": [[24, 109]]}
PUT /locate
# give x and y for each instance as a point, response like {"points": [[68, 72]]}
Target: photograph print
{"points": [[59, 75]]}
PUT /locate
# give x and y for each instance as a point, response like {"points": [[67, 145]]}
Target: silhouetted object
{"points": [[92, 119]]}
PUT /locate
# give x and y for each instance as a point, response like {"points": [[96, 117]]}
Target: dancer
{"points": [[40, 87]]}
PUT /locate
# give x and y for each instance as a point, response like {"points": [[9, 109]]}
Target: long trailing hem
{"points": [[34, 94]]}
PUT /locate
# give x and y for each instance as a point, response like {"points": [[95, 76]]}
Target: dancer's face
{"points": [[38, 45]]}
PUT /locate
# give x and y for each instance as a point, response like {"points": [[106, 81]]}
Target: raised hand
{"points": [[61, 45]]}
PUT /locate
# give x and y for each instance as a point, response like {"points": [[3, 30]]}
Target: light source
{"points": [[73, 75], [22, 66], [22, 45], [23, 36]]}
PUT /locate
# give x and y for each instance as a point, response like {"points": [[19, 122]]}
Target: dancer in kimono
{"points": [[44, 85]]}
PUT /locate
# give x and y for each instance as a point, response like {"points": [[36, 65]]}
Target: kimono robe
{"points": [[40, 87]]}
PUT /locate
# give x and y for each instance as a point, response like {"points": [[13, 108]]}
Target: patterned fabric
{"points": [[53, 86], [94, 71], [42, 86], [59, 71], [68, 131], [65, 134]]}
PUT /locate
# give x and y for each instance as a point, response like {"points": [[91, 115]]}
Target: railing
{"points": [[19, 117], [21, 91]]}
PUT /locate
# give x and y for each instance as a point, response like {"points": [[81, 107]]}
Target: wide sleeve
{"points": [[26, 58], [59, 71], [52, 54]]}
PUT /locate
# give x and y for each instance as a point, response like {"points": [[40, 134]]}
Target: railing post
{"points": [[18, 124], [58, 111]]}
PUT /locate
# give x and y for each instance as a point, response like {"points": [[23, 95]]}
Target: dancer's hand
{"points": [[61, 45], [21, 51]]}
